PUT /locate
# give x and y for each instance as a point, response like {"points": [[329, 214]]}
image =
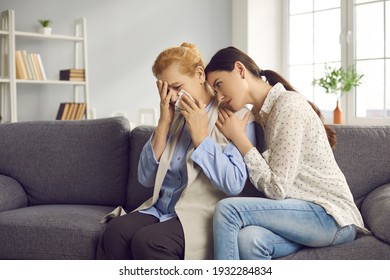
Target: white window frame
{"points": [[347, 43]]}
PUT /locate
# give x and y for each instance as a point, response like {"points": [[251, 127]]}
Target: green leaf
{"points": [[338, 81], [44, 22]]}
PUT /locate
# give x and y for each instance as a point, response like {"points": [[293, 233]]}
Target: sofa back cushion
{"points": [[68, 162], [363, 155], [136, 193]]}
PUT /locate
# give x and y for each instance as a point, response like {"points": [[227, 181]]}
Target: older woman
{"points": [[190, 164]]}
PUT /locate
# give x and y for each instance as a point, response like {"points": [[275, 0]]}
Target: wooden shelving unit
{"points": [[8, 81]]}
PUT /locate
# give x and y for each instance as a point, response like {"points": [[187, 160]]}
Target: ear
{"points": [[240, 68], [199, 73]]}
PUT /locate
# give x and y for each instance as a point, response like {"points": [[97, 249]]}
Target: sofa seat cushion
{"points": [[364, 247], [51, 232]]}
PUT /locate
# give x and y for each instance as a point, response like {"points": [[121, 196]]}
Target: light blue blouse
{"points": [[225, 168]]}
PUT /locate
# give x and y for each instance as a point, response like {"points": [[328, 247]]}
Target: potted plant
{"points": [[338, 81], [45, 26]]}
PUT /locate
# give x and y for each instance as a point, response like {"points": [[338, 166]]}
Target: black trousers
{"points": [[138, 236]]}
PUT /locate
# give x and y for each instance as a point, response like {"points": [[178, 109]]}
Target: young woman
{"points": [[308, 201], [190, 164]]}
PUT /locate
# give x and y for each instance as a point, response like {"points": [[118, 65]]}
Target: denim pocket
{"points": [[344, 235]]}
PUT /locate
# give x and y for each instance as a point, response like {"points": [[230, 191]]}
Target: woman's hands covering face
{"points": [[167, 109], [196, 118]]}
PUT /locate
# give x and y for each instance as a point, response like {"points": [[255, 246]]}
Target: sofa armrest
{"points": [[12, 194], [375, 210]]}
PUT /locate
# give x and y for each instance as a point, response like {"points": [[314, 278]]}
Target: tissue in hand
{"points": [[178, 101]]}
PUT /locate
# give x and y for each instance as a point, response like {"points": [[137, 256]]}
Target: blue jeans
{"points": [[261, 228]]}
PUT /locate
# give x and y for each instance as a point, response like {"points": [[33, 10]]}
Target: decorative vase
{"points": [[338, 113], [45, 30]]}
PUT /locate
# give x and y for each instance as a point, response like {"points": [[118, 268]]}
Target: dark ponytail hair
{"points": [[225, 59]]}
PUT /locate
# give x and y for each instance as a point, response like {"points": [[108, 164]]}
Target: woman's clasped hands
{"points": [[232, 127]]}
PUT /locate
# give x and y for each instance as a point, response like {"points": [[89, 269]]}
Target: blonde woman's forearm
{"points": [[159, 140]]}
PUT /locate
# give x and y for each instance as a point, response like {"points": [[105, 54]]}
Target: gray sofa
{"points": [[59, 178]]}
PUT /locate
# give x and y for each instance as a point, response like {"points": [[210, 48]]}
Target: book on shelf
{"points": [[71, 111], [41, 66], [72, 75], [34, 57], [29, 66], [21, 71]]}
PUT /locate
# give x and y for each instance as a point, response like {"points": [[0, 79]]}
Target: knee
{"points": [[147, 244], [219, 207], [220, 214], [110, 240], [224, 204], [224, 208]]}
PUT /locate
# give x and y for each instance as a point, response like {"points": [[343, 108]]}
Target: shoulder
{"points": [[241, 113], [292, 102], [291, 98]]}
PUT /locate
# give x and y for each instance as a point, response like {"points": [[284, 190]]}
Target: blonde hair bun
{"points": [[186, 54], [192, 47], [188, 45]]}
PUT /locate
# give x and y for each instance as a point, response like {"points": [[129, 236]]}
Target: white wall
{"points": [[240, 23], [258, 31], [124, 38]]}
